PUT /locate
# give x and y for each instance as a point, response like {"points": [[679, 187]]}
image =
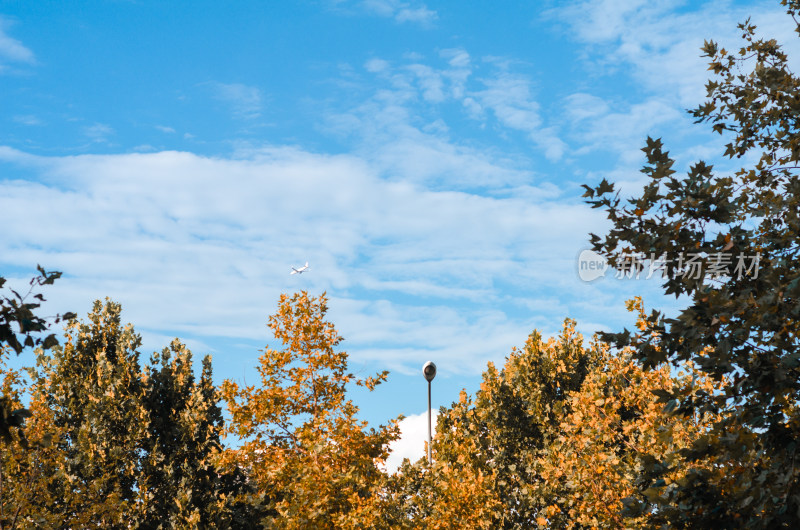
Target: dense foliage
{"points": [[553, 440], [742, 233], [497, 439], [116, 446], [305, 450], [21, 327], [566, 435]]}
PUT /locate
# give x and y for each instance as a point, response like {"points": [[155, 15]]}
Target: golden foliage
{"points": [[313, 461], [615, 420]]}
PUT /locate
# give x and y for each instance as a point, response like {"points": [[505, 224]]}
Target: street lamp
{"points": [[429, 371]]}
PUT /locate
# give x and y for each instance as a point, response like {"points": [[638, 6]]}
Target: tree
{"points": [[447, 495], [92, 387], [497, 440], [131, 448], [556, 439], [747, 222], [16, 309], [181, 484], [27, 462], [311, 459], [614, 425]]}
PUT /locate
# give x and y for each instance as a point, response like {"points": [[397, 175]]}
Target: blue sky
{"points": [[425, 158]]}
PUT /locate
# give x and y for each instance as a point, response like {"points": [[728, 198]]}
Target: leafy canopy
{"points": [[743, 326], [314, 463], [20, 327], [131, 448]]}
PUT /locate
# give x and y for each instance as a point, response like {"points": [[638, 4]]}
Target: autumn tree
{"points": [[27, 463], [21, 327], [743, 231], [446, 495], [92, 387], [314, 463], [131, 448], [556, 439], [497, 440], [180, 481], [10, 504], [613, 426]]}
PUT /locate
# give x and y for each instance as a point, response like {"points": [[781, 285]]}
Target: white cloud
{"points": [[662, 45], [509, 98], [376, 65], [245, 101], [404, 114], [27, 119], [202, 246], [143, 148], [412, 441], [401, 11], [11, 49], [430, 82], [473, 108], [99, 132], [598, 126], [165, 129], [458, 57], [654, 46], [421, 15], [582, 106], [459, 72]]}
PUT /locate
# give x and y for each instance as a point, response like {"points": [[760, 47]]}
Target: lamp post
{"points": [[429, 371]]}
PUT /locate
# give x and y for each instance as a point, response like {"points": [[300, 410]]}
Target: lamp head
{"points": [[429, 371]]}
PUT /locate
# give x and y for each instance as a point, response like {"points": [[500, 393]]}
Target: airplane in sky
{"points": [[300, 270]]}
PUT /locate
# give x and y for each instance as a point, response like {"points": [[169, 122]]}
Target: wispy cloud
{"points": [[245, 101], [27, 119], [657, 48], [421, 15], [216, 236], [662, 46], [405, 110], [399, 11], [509, 97], [98, 132], [599, 125], [11, 49]]}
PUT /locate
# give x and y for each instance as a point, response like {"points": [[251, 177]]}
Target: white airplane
{"points": [[300, 270]]}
